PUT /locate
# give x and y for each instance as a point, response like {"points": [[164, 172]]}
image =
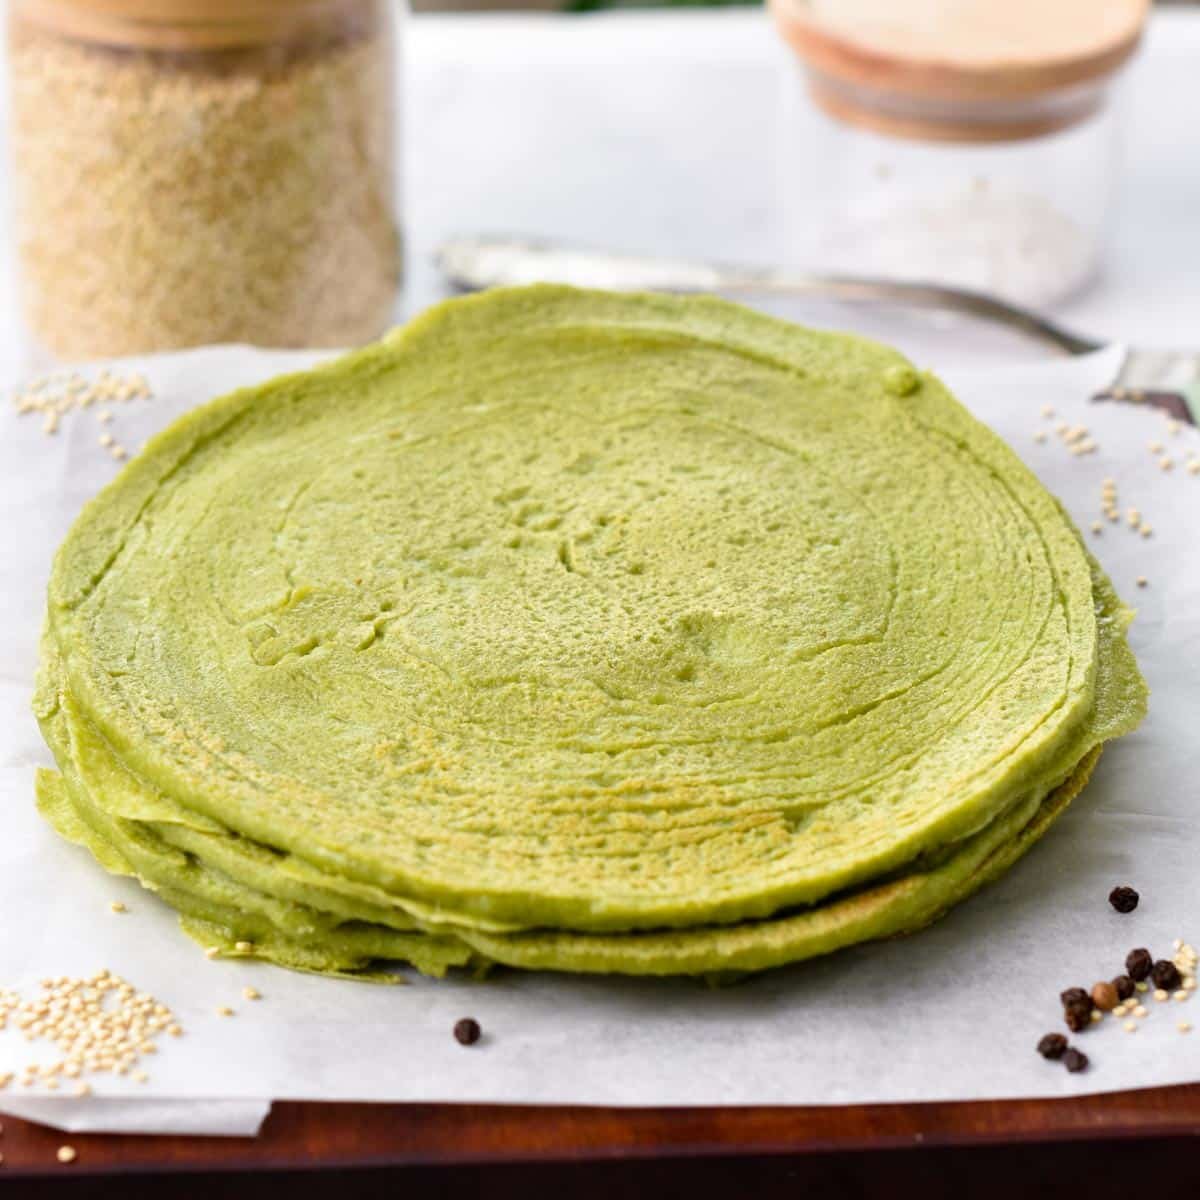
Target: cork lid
{"points": [[960, 69], [190, 24]]}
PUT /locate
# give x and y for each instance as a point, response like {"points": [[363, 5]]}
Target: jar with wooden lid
{"points": [[965, 142], [188, 172]]}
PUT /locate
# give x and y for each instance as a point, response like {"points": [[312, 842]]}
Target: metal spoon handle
{"points": [[473, 263]]}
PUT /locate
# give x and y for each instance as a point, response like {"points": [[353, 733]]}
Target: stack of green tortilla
{"points": [[580, 632]]}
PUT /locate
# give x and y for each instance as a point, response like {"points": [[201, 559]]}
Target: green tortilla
{"points": [[568, 628]]}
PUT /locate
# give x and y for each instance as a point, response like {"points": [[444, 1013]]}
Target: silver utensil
{"points": [[1166, 379]]}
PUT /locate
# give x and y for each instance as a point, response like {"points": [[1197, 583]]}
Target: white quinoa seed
{"points": [[66, 1154], [99, 1023], [1184, 1026], [1142, 985], [1160, 994], [1141, 582], [1130, 1026]]}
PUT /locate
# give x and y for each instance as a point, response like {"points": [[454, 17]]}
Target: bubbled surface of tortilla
{"points": [[570, 609]]}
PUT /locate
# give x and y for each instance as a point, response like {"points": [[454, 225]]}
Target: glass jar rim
{"points": [[184, 25], [933, 93]]}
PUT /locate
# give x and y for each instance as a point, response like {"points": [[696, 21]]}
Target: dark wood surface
{"points": [[476, 1150]]}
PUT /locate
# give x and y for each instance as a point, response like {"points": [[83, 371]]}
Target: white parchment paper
{"points": [[952, 1013]]}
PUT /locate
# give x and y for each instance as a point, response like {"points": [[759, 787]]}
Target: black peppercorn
{"points": [[1166, 975], [1077, 1017], [1139, 963], [1124, 986], [1075, 1060], [1076, 996], [1123, 899], [1053, 1045], [467, 1031]]}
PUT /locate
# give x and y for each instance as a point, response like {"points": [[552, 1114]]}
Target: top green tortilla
{"points": [[599, 612]]}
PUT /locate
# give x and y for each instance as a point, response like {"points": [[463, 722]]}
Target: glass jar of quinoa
{"points": [[196, 171]]}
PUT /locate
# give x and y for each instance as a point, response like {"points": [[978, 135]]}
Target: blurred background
{"points": [[591, 5], [184, 174]]}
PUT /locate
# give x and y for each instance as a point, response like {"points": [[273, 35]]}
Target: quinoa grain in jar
{"points": [[197, 171]]}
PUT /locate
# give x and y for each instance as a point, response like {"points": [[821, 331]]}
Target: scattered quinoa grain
{"points": [[1160, 994], [224, 1011], [118, 907], [251, 993], [1141, 581], [1130, 1027], [1140, 1011], [1184, 1026], [243, 947], [66, 1154]]}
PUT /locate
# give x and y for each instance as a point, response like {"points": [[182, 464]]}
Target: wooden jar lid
{"points": [[973, 70], [191, 24]]}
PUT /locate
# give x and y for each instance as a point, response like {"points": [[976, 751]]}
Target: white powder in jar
{"points": [[988, 238]]}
